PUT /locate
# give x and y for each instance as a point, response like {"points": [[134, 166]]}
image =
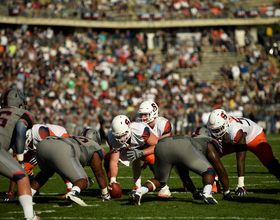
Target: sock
{"points": [[137, 182], [27, 205], [207, 188], [33, 191], [68, 185], [76, 188], [143, 189]]}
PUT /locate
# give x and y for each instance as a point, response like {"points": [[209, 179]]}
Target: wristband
{"points": [[104, 191], [20, 157], [240, 181], [113, 179]]}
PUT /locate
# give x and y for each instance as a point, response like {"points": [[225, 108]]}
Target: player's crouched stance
{"points": [[67, 156], [178, 150]]}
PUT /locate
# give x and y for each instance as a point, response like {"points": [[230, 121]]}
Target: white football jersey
{"points": [[140, 132], [54, 130], [246, 125], [162, 127]]}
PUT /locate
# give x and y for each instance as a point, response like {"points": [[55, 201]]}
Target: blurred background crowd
{"points": [[84, 78]]}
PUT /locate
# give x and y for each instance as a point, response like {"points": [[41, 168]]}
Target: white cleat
{"points": [[33, 218], [164, 192], [74, 196]]}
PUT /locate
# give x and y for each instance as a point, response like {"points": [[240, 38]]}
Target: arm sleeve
{"points": [[20, 137]]}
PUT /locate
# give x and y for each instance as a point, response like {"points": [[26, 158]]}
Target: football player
{"points": [[129, 141], [211, 148], [14, 121], [161, 127], [67, 156], [183, 152], [33, 137], [239, 135]]}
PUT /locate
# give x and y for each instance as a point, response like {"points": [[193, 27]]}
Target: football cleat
{"points": [[208, 199], [33, 218], [164, 192], [197, 196], [135, 197], [68, 190], [10, 196], [74, 196]]}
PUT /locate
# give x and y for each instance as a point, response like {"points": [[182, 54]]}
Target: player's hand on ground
{"points": [[241, 191], [228, 197], [106, 197]]}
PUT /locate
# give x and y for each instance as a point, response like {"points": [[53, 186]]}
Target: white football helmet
{"points": [[148, 107], [29, 140], [218, 123], [121, 128]]}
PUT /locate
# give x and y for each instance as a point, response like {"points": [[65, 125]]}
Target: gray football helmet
{"points": [[13, 97], [92, 134]]}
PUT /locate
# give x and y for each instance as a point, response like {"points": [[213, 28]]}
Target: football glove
{"points": [[91, 182], [241, 191], [33, 161], [22, 164], [106, 197], [228, 197], [135, 154]]}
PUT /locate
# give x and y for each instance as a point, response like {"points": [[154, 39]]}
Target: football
{"points": [[116, 191]]}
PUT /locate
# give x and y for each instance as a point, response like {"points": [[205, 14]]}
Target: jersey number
{"points": [[238, 120], [80, 139], [4, 120]]}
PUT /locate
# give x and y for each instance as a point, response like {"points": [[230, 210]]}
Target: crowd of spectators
{"points": [[113, 72], [123, 10]]}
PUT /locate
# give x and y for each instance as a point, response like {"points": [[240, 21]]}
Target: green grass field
{"points": [[262, 202]]}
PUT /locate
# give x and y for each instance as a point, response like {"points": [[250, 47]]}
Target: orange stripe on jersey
{"points": [[167, 128], [65, 135], [146, 134], [44, 132]]}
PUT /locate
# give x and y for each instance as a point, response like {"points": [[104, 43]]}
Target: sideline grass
{"points": [[262, 202]]}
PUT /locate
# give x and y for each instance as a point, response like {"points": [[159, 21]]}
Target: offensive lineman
{"points": [[129, 141], [183, 152], [33, 137], [67, 156], [238, 135], [14, 121]]}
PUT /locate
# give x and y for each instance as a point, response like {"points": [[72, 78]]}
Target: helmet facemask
{"points": [[121, 128], [218, 123], [148, 108]]}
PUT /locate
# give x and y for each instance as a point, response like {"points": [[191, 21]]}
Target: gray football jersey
{"points": [[8, 120], [85, 146], [203, 141]]}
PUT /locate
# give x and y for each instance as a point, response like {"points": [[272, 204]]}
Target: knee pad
{"points": [[210, 171]]}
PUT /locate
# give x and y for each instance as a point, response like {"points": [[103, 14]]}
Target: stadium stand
{"points": [[115, 69]]}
